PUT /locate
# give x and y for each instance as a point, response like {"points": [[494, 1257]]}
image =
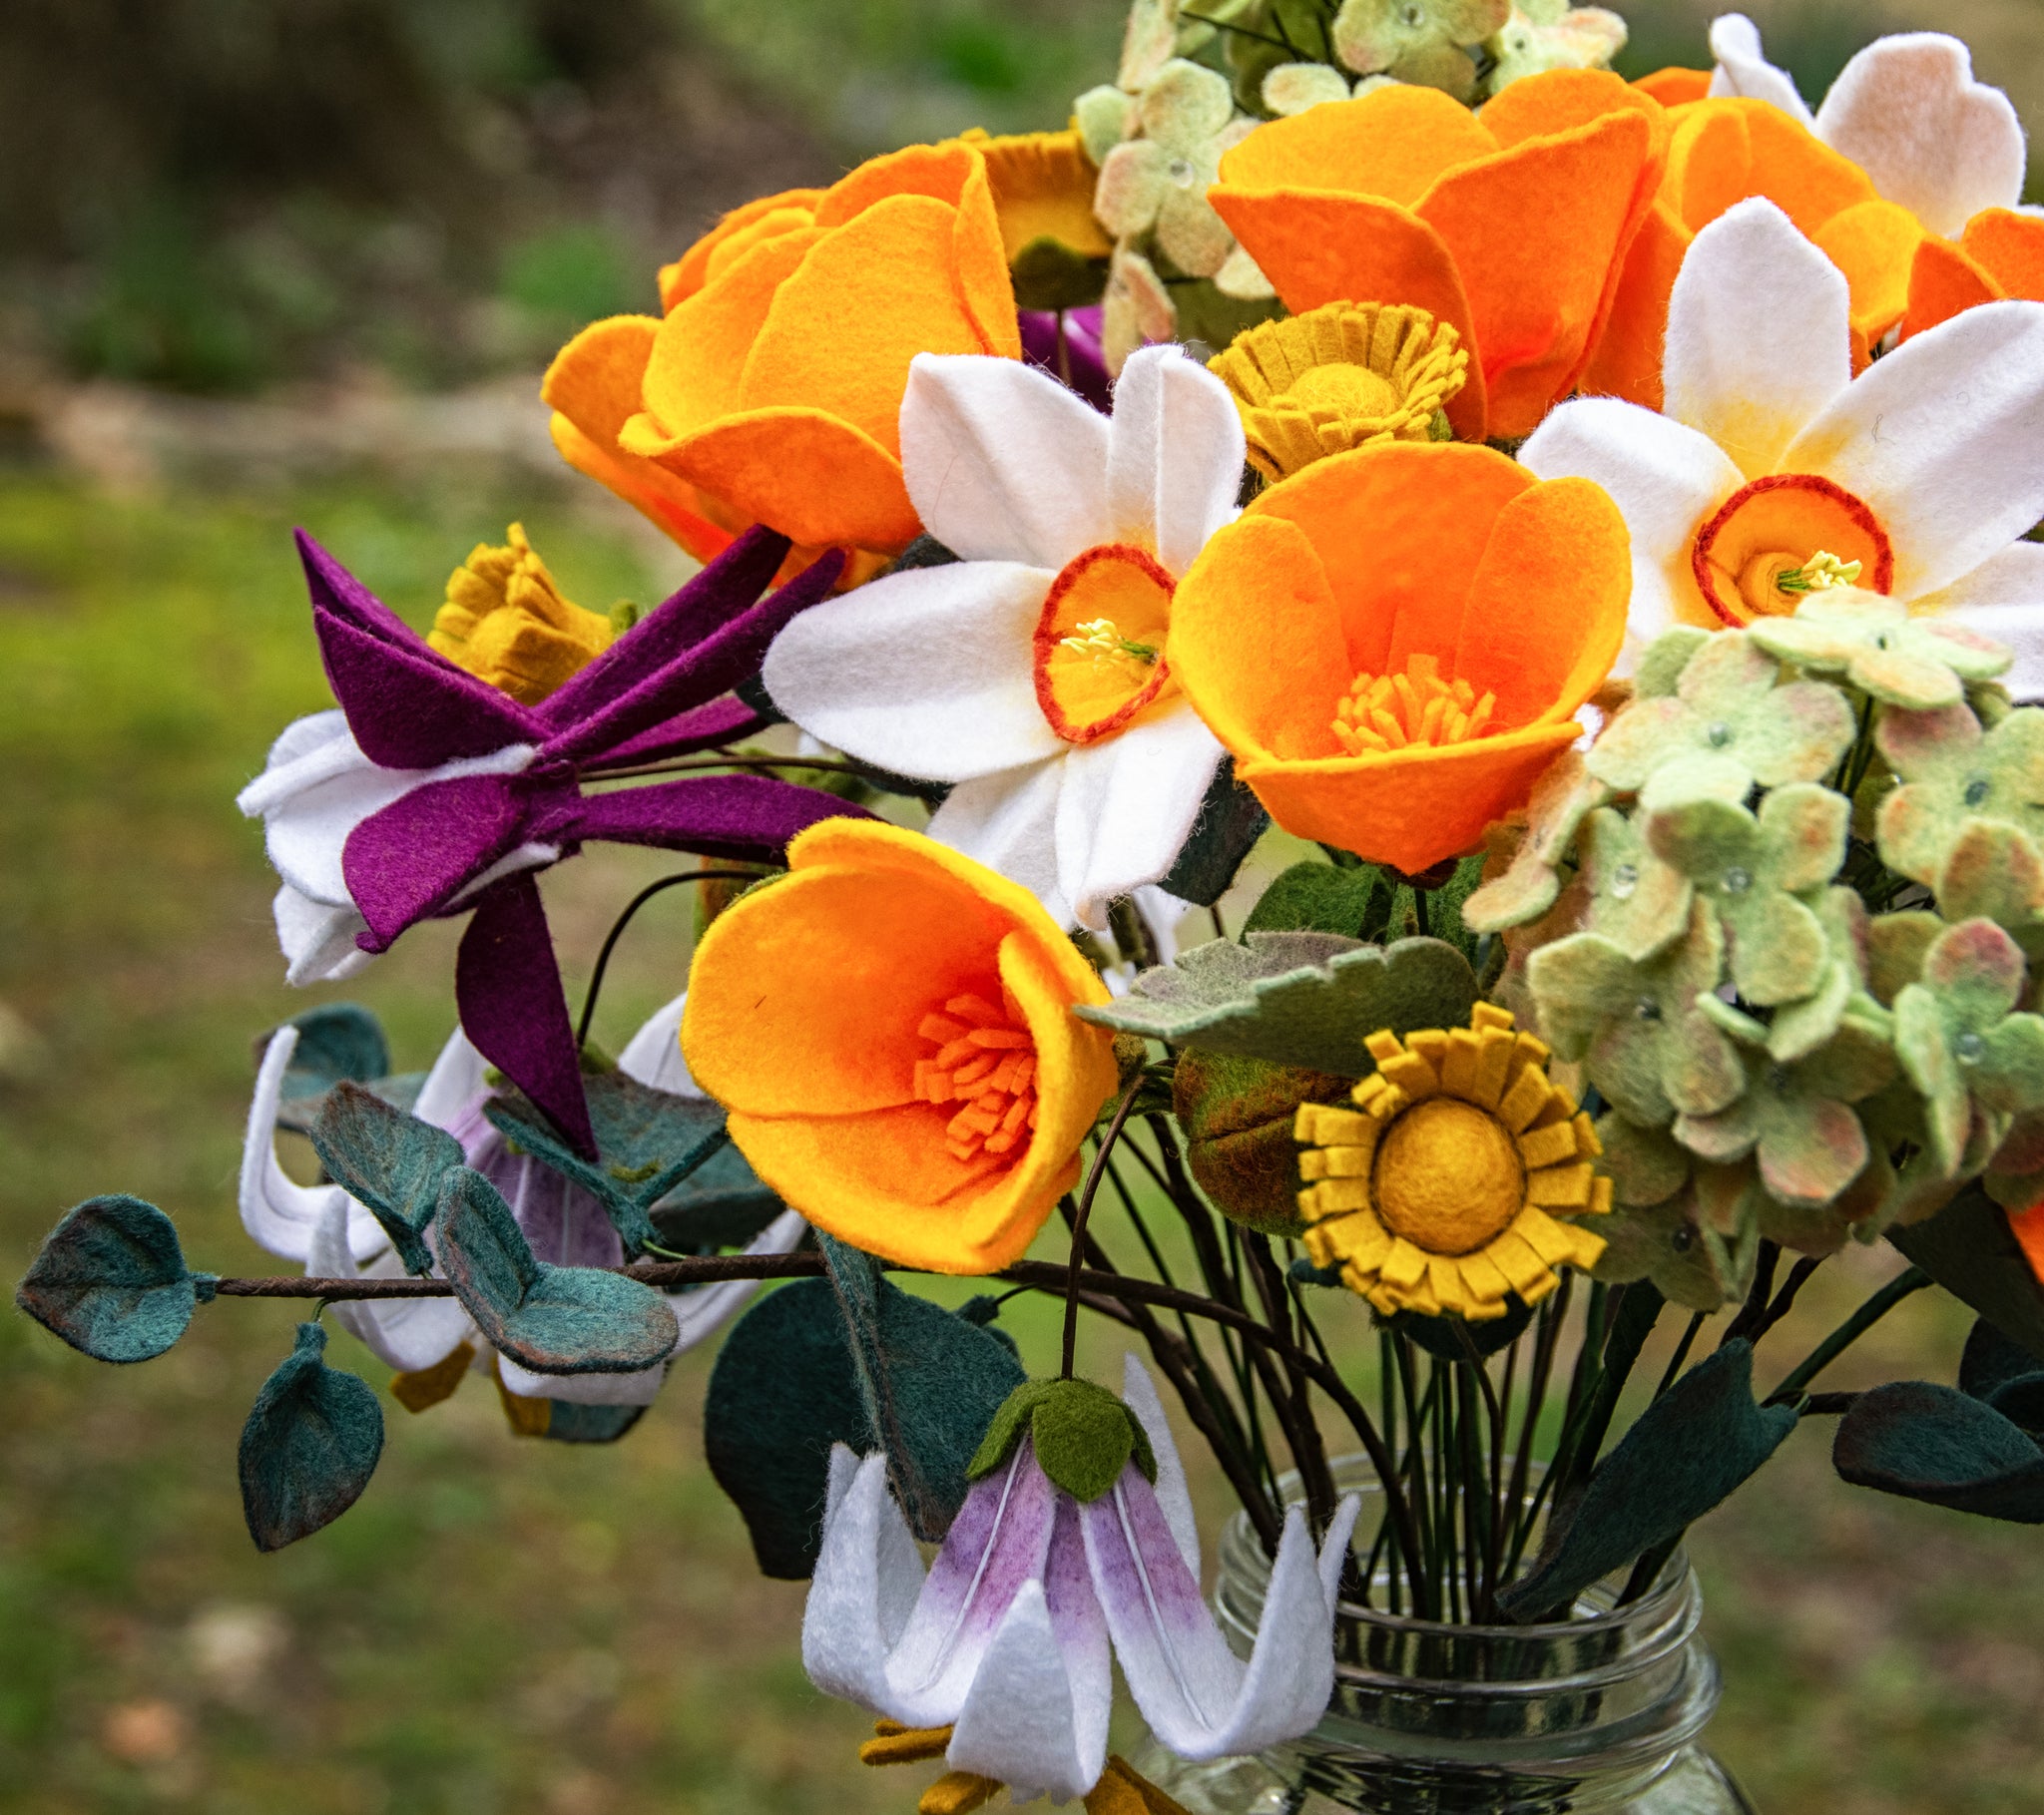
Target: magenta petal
{"points": [[748, 818], [414, 858], [702, 728], [508, 990], [1085, 369]]}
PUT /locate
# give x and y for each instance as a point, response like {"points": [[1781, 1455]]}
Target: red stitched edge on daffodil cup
{"points": [[1772, 528], [1099, 641]]}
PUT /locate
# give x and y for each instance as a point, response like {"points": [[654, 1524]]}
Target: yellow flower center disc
{"points": [[1100, 643], [1447, 1177]]}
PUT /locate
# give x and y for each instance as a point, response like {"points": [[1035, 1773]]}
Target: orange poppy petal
{"points": [[979, 255], [1042, 186], [694, 374], [1627, 359], [1393, 142], [1319, 248], [1538, 234], [670, 503], [1414, 807], [2010, 247], [936, 171], [1559, 101], [1726, 149], [840, 331], [1675, 87], [687, 274], [1546, 612], [1256, 631], [1874, 244], [1945, 282]]}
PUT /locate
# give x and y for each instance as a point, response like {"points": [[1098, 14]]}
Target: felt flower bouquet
{"points": [[1410, 664]]}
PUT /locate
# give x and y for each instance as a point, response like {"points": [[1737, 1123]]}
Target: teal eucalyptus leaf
{"points": [[387, 1159], [310, 1446], [111, 1280]]}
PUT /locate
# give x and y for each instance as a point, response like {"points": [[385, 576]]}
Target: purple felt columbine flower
{"points": [[1079, 363], [1007, 1640], [430, 792]]}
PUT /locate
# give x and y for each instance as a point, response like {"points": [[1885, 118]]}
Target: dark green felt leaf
{"points": [[1049, 274], [930, 1383], [1237, 1116], [1452, 1338], [568, 1422], [310, 1446], [1689, 1449], [1970, 1250], [111, 1280], [2005, 1375], [336, 1041], [647, 1141], [721, 1205], [1231, 820], [387, 1159], [551, 1319], [1936, 1444], [1318, 898], [1297, 999]]}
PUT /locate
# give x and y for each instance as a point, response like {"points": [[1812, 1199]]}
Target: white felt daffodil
{"points": [[335, 1236], [1907, 110], [1774, 472], [1034, 672], [1008, 1639]]}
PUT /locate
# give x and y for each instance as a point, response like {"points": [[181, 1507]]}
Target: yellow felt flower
{"points": [[890, 1027], [506, 623], [1442, 1189], [1341, 377]]}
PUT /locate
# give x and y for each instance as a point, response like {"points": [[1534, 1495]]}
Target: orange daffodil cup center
{"points": [[1784, 537], [1100, 644]]}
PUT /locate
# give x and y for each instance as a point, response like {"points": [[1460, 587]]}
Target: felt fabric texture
{"points": [[1964, 822], [278, 1213], [549, 1319], [1238, 1116], [1512, 227], [1942, 1445], [310, 1446], [336, 1040], [391, 1162], [1970, 1250], [1081, 357], [803, 1018], [935, 673], [1946, 504], [1155, 181], [111, 1280], [1918, 664], [929, 1381], [1296, 999], [413, 1336], [505, 621], [1231, 819], [409, 809], [1683, 1455], [1007, 1636], [2004, 1374], [1275, 623], [1082, 1436]]}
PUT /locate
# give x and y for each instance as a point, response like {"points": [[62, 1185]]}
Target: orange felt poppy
{"points": [[771, 391], [1394, 642], [890, 1027], [1920, 279], [1511, 225]]}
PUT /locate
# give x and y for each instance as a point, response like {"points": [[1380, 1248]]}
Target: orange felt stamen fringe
{"points": [[985, 1060], [1389, 711]]}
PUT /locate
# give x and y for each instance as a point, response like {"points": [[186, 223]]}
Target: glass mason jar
{"points": [[1602, 1714]]}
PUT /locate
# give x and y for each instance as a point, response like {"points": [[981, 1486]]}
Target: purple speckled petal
{"points": [[415, 857], [720, 662], [702, 727], [747, 817], [408, 706], [507, 988], [998, 1542]]}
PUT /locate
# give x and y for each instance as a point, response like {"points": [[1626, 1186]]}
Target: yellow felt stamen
{"points": [[1101, 638], [985, 1060], [1819, 574], [1383, 712]]}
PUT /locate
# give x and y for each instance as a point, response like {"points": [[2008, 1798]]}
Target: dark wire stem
{"points": [[1681, 1354], [1107, 1140], [689, 765], [617, 932], [1847, 1334]]}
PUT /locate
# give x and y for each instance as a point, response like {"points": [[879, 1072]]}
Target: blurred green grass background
{"points": [[504, 1626]]}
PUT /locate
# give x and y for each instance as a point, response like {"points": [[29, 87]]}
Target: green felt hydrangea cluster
{"points": [[1785, 913]]}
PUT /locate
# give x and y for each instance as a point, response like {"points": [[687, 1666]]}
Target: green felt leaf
{"points": [[1237, 1116], [1687, 1450], [930, 1383], [1231, 821], [1083, 1436], [721, 1205], [1298, 999], [782, 1393], [568, 1422], [2005, 1375], [1049, 274], [310, 1446], [1319, 898], [1970, 1250], [1939, 1444], [336, 1041], [551, 1319], [387, 1159], [111, 1280], [647, 1141], [1665, 656]]}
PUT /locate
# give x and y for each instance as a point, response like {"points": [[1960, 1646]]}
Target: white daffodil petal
{"points": [[2003, 598], [1139, 1393], [317, 939], [1128, 805], [403, 1333], [1003, 463], [1907, 111], [1665, 479], [1175, 463], [1744, 70], [867, 1579], [281, 1215], [1009, 823], [928, 672], [1760, 335], [1940, 440]]}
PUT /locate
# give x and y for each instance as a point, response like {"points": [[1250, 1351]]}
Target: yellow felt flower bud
{"points": [[506, 623]]}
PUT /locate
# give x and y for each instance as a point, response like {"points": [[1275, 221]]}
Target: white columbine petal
{"points": [[281, 1215], [317, 939], [1176, 461], [1942, 438], [1759, 335], [1003, 463], [1139, 1393], [403, 1333], [927, 672], [2003, 598], [1907, 111], [1744, 70], [868, 1576]]}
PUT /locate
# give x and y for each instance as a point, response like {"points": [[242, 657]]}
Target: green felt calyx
{"points": [[1083, 1436]]}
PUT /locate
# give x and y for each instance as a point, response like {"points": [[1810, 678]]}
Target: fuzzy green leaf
{"points": [[310, 1446]]}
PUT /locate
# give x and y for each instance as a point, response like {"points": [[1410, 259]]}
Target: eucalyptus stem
{"points": [[1847, 1334]]}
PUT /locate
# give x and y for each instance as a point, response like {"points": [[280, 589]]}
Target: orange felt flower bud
{"points": [[771, 390], [1512, 225], [890, 1027], [1393, 643]]}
